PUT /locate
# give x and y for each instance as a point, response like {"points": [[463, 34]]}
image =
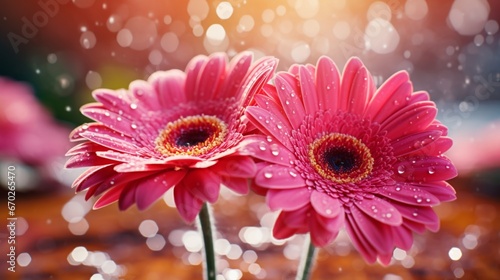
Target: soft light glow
{"points": [[455, 254], [468, 17]]}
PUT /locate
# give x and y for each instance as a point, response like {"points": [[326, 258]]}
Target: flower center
{"points": [[193, 135], [341, 158]]}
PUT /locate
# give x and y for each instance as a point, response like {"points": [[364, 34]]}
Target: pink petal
{"points": [[440, 189], [117, 101], [139, 167], [414, 226], [419, 96], [325, 205], [258, 146], [87, 159], [92, 176], [235, 166], [256, 78], [332, 224], [279, 177], [441, 145], [424, 215], [288, 199], [411, 119], [351, 70], [184, 161], [144, 95], [85, 147], [327, 84], [390, 97], [422, 169], [127, 196], [208, 82], [193, 70], [269, 124], [409, 194], [379, 235], [75, 134], [359, 241], [109, 197], [290, 100], [238, 69], [203, 184], [380, 210], [128, 158], [110, 119], [188, 205], [357, 99], [281, 230], [152, 188], [320, 236], [119, 179], [111, 140], [309, 95], [403, 237], [297, 218], [238, 185], [414, 142], [271, 106], [169, 86]]}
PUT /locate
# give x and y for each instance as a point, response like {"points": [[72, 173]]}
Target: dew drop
{"points": [[275, 150], [269, 139], [328, 87], [401, 169], [388, 215], [419, 200], [431, 170], [134, 126], [398, 189], [279, 126], [293, 174], [328, 211], [133, 106], [119, 119], [396, 103], [268, 175], [262, 146], [415, 214]]}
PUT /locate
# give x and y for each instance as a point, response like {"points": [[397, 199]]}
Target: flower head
{"points": [[339, 153], [181, 129], [29, 133]]}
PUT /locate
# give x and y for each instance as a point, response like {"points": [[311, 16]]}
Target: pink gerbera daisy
{"points": [[181, 129], [339, 153]]}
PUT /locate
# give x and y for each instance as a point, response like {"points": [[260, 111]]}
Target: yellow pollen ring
{"points": [[206, 133], [360, 158]]}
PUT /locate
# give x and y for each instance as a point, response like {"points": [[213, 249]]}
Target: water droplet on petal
{"points": [[401, 169], [134, 126], [268, 175], [388, 215], [419, 200], [293, 174], [262, 146], [328, 211], [133, 106], [275, 150], [431, 170]]}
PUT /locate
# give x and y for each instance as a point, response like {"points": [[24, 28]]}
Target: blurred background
{"points": [[53, 53]]}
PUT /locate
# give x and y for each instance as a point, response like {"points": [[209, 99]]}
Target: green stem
{"points": [[307, 260], [205, 227]]}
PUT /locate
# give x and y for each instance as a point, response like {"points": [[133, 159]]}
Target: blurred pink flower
{"points": [[476, 151], [340, 153], [181, 129], [28, 132]]}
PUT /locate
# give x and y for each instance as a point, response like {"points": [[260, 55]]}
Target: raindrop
{"points": [[134, 126], [268, 175], [293, 174], [133, 106], [388, 215], [431, 170]]}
